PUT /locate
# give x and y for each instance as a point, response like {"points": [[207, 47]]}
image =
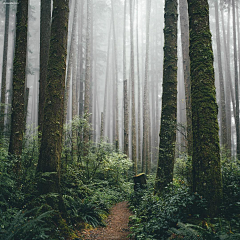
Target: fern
{"points": [[25, 225], [194, 232]]}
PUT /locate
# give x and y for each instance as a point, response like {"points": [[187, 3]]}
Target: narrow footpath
{"points": [[117, 225]]}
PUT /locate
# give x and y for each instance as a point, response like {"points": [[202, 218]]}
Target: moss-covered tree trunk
{"points": [[19, 77], [51, 144], [169, 99], [4, 69], [206, 156], [45, 30]]}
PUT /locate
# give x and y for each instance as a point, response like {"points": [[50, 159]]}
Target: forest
{"points": [[119, 109]]}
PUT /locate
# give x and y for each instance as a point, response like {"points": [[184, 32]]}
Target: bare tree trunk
{"points": [[116, 137], [9, 109], [102, 127], [81, 62], [87, 76], [145, 153], [70, 64], [106, 83], [139, 91], [74, 62], [134, 152], [223, 128], [125, 110], [229, 88], [4, 69], [124, 64], [236, 79], [186, 69]]}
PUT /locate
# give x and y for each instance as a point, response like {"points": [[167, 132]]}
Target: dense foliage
{"points": [[181, 214], [90, 185]]}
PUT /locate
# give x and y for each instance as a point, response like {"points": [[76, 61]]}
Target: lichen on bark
{"points": [[206, 155], [51, 145], [169, 99]]}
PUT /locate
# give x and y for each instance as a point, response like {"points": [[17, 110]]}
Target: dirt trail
{"points": [[117, 225]]}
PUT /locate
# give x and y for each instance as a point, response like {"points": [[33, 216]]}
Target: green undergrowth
{"points": [[181, 214], [90, 185]]}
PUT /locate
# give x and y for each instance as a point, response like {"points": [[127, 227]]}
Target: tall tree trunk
{"points": [[223, 129], [45, 31], [4, 68], [125, 127], [70, 65], [106, 82], [19, 79], [229, 89], [125, 111], [51, 144], [206, 152], [74, 66], [183, 10], [74, 78], [9, 109], [134, 150], [81, 61], [87, 76], [139, 90], [236, 79], [169, 100], [116, 137], [238, 50], [145, 153]]}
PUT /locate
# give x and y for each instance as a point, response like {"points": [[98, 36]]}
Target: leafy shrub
{"points": [[154, 215], [101, 162], [231, 186]]}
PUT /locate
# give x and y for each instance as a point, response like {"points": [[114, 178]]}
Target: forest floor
{"points": [[117, 225]]}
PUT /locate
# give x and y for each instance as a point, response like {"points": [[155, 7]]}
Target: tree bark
{"points": [[19, 79], [51, 145], [229, 89], [116, 137], [139, 91], [4, 68], [223, 120], [134, 150], [145, 152], [87, 93], [169, 100], [206, 152], [45, 31], [236, 79], [125, 111], [186, 69]]}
